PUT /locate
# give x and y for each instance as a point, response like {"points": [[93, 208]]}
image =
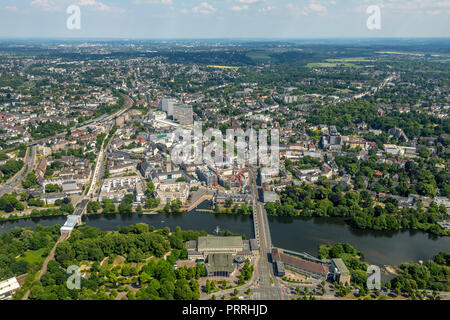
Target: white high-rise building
{"points": [[167, 105]]}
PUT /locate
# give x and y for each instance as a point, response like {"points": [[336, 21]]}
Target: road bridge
{"points": [[267, 285]]}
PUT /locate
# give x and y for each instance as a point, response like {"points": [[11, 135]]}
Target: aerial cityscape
{"points": [[224, 169]]}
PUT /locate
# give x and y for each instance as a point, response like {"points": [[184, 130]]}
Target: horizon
{"points": [[214, 19], [225, 38]]}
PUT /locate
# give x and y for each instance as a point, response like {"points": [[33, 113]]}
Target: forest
{"points": [[359, 209], [134, 263]]}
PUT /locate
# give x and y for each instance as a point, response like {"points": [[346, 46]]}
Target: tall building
{"points": [[183, 114], [167, 105]]}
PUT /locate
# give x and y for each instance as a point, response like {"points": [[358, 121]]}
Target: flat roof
{"points": [[69, 186], [220, 262], [9, 285], [307, 266], [280, 266], [71, 221], [340, 265], [254, 244], [191, 245], [218, 243]]}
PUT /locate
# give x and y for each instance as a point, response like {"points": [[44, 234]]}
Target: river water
{"points": [[298, 234]]}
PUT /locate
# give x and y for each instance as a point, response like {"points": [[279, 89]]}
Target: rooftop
{"points": [[308, 266], [8, 286], [214, 243], [220, 262], [340, 265]]}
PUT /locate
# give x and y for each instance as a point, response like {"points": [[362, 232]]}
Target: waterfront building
{"points": [[281, 271], [222, 254], [169, 191], [315, 269], [220, 265], [339, 271], [269, 196], [237, 198], [71, 223]]}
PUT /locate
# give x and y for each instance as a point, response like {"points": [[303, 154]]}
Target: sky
{"points": [[192, 19]]}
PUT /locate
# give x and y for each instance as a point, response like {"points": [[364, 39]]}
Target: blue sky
{"points": [[224, 18]]}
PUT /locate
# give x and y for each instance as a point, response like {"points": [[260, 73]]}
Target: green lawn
{"points": [[259, 55], [33, 256], [358, 59]]}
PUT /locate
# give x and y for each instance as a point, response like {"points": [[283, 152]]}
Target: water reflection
{"points": [[298, 234]]}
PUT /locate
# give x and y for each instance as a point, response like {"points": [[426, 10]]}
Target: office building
{"points": [[183, 114]]}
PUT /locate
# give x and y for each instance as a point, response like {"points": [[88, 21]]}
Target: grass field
{"points": [[403, 53], [357, 59], [34, 256], [259, 55], [224, 67]]}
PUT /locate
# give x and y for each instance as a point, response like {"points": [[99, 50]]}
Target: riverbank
{"points": [[14, 217], [296, 234]]}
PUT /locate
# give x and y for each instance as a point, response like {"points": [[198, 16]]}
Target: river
{"points": [[298, 234]]}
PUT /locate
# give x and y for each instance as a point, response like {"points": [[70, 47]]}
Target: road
{"points": [[29, 161], [264, 284], [127, 105], [267, 286], [99, 169], [28, 166], [50, 257]]}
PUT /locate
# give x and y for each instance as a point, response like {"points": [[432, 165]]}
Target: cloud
{"points": [[432, 7], [47, 5], [204, 8], [94, 4], [60, 5], [312, 7], [237, 8], [163, 2], [11, 8], [250, 1], [266, 9]]}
